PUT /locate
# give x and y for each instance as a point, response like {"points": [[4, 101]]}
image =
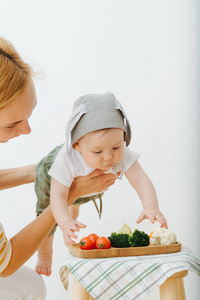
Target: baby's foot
{"points": [[43, 265], [45, 253]]}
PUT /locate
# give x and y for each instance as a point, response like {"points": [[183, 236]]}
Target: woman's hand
{"points": [[95, 182]]}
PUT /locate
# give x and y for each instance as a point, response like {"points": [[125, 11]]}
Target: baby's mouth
{"points": [[109, 166]]}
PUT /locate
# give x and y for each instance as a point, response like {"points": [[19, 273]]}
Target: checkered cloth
{"points": [[126, 277]]}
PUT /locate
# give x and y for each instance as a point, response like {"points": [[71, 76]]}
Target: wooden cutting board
{"points": [[75, 250]]}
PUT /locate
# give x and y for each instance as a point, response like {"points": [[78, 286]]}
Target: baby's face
{"points": [[102, 149]]}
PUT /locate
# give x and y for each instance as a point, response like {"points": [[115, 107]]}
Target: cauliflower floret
{"points": [[162, 236], [125, 230]]}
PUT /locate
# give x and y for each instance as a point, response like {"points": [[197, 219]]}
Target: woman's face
{"points": [[14, 117]]}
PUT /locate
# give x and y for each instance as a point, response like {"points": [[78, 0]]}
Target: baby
{"points": [[98, 130]]}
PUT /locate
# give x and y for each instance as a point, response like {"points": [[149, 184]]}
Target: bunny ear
{"points": [[75, 117], [127, 125]]}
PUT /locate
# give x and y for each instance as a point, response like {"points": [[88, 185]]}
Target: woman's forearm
{"points": [[28, 240], [17, 176]]}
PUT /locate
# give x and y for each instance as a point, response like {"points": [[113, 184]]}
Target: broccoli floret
{"points": [[119, 240], [139, 239]]}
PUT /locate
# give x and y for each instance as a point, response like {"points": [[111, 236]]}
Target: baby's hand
{"points": [[153, 214], [68, 231]]}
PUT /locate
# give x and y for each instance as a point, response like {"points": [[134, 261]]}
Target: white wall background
{"points": [[146, 53]]}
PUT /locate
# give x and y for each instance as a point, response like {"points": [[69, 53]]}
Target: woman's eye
{"points": [[116, 148], [10, 126]]}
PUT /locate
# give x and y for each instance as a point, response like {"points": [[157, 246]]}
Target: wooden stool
{"points": [[171, 289], [79, 293]]}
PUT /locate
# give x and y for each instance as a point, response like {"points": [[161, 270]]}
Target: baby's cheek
{"points": [[120, 155], [93, 163]]}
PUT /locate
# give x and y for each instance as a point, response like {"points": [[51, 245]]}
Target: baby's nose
{"points": [[108, 155]]}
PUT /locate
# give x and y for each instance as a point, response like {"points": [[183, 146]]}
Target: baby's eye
{"points": [[115, 148], [97, 152]]}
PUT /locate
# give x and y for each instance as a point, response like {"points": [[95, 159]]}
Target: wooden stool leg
{"points": [[169, 290], [78, 292], [181, 289]]}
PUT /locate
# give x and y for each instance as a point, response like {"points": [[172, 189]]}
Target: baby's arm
{"points": [[147, 194], [58, 198]]}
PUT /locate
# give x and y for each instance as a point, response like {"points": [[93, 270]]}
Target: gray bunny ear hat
{"points": [[94, 112]]}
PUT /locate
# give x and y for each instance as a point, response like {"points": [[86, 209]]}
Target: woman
{"points": [[17, 101]]}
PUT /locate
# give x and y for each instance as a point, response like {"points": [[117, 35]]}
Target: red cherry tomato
{"points": [[103, 243], [87, 243], [93, 236]]}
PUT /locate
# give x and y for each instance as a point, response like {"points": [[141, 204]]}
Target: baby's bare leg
{"points": [[16, 176], [74, 211], [45, 253]]}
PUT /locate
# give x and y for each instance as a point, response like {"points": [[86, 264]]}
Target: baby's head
{"points": [[98, 126]]}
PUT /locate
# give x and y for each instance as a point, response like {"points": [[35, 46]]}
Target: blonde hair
{"points": [[14, 73]]}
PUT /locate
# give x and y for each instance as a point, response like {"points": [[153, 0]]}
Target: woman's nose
{"points": [[23, 128]]}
